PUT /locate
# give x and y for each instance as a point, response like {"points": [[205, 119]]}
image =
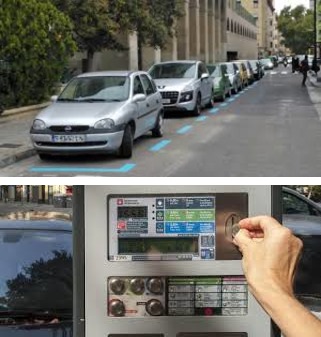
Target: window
{"points": [[294, 205], [149, 89], [255, 3], [138, 87], [228, 24]]}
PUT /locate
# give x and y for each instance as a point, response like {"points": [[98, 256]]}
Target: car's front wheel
{"points": [[126, 147], [198, 105], [158, 131]]}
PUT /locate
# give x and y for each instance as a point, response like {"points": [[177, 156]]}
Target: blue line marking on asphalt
{"points": [[224, 105], [201, 119], [214, 111], [237, 96], [230, 100], [160, 145], [123, 169], [184, 129]]}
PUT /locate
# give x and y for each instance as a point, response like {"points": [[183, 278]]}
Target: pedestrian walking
{"points": [[304, 69], [285, 62]]}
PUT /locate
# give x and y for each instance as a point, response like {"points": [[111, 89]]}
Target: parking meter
{"points": [[159, 261]]}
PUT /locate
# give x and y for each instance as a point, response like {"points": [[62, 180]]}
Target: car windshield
{"points": [[214, 70], [266, 61], [173, 70], [96, 89], [36, 273]]}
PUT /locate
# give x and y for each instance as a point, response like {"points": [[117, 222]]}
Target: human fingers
{"points": [[261, 224], [242, 240]]}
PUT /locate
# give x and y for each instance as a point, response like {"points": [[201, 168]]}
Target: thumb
{"points": [[242, 239]]}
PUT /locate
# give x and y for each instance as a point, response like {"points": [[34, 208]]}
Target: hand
{"points": [[270, 255]]}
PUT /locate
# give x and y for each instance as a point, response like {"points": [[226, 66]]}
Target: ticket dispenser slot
{"points": [[162, 263]]}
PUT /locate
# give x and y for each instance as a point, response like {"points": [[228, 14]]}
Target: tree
{"points": [[153, 20], [36, 42], [95, 28], [45, 284], [99, 22], [296, 26]]}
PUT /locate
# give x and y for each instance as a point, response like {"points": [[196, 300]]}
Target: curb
{"points": [[25, 109], [23, 154], [314, 83]]}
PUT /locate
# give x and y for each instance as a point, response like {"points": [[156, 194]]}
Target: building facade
{"points": [[262, 10], [41, 194], [210, 30]]}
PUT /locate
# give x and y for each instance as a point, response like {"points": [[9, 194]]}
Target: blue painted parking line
{"points": [[230, 100], [214, 110], [184, 129], [160, 145], [237, 96], [123, 169], [201, 119], [223, 105]]}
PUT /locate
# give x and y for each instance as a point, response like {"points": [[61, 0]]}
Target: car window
{"points": [[214, 70], [203, 69], [37, 271], [138, 86], [294, 204], [149, 89]]}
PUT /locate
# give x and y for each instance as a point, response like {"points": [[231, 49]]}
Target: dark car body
{"points": [[303, 217], [35, 278]]}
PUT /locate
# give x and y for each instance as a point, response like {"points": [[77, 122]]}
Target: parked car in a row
{"points": [[36, 283], [104, 112], [303, 217]]}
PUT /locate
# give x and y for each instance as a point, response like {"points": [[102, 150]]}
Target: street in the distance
{"points": [[272, 128]]}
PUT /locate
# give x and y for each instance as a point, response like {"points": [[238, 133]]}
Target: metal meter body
{"points": [[159, 262]]}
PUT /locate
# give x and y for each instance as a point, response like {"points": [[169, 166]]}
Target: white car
{"points": [[184, 85]]}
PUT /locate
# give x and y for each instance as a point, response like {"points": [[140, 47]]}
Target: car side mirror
{"points": [[139, 98], [54, 98], [204, 76]]}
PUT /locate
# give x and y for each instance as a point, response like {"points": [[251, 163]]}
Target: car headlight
{"points": [[105, 124], [38, 124], [186, 96]]}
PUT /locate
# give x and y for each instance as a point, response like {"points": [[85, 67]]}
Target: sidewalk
{"points": [[15, 142], [313, 80], [19, 208]]}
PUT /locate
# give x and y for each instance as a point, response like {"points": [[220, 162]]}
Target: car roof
{"points": [[109, 73], [179, 61], [51, 225]]}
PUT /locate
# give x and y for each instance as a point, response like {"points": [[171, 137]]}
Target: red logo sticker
{"points": [[121, 225], [120, 202]]}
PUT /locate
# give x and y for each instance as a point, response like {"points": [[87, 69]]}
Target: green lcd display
{"points": [[169, 245]]}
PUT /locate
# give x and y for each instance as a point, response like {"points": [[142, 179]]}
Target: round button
{"points": [[155, 308], [137, 286], [117, 286], [155, 285], [116, 308]]}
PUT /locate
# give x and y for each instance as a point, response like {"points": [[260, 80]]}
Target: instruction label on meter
{"points": [[170, 227]]}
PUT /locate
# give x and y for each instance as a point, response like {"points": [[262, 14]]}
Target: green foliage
{"points": [[296, 26], [36, 42], [99, 22]]}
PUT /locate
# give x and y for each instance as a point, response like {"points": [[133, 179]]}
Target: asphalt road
{"points": [[270, 129]]}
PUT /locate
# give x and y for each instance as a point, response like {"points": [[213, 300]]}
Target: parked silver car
{"points": [[234, 76], [99, 113], [184, 85]]}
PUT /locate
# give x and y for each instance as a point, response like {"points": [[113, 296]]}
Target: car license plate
{"points": [[166, 101], [69, 138]]}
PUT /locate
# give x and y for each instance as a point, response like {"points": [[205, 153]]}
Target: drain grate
{"points": [[9, 146]]}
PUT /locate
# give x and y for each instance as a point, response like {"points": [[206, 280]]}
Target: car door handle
{"points": [[157, 101], [147, 105]]}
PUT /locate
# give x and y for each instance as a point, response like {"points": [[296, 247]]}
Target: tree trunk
{"points": [[90, 61]]}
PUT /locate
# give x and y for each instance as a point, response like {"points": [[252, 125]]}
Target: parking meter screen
{"points": [[172, 227]]}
